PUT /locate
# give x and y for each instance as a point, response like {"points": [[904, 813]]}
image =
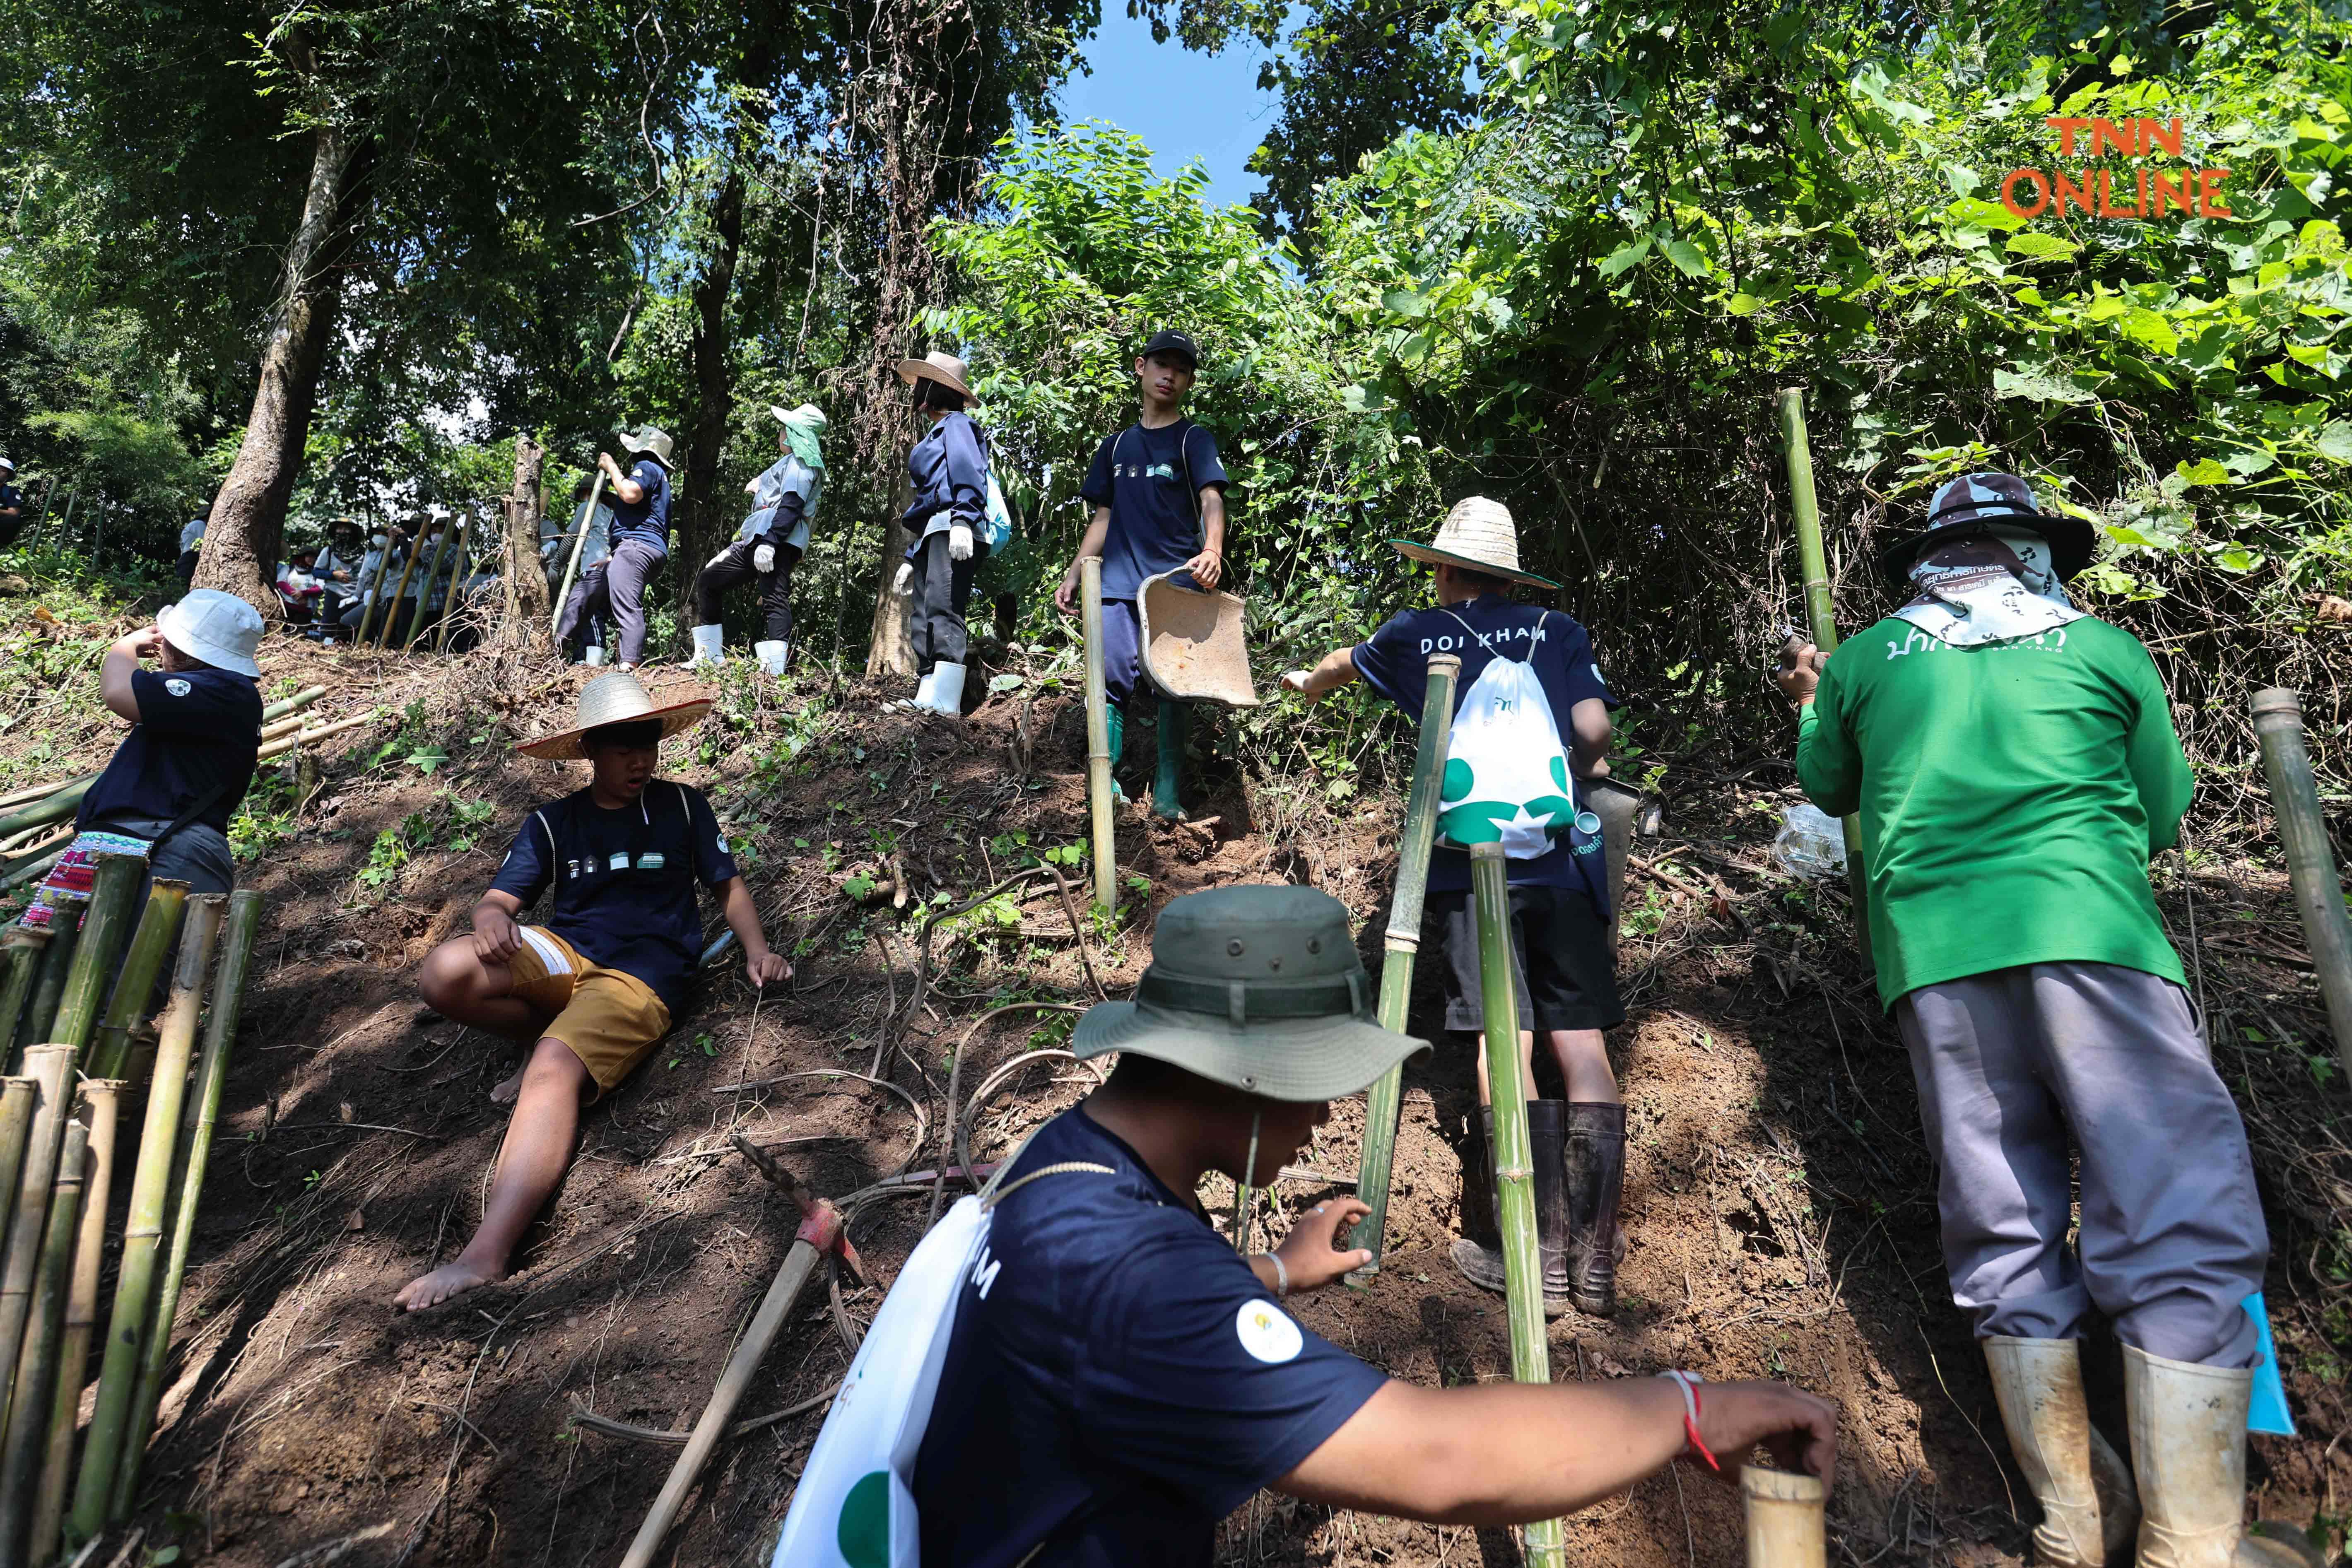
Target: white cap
{"points": [[218, 629]]}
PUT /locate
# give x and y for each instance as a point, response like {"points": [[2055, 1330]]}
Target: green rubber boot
{"points": [[1167, 784], [1116, 717]]}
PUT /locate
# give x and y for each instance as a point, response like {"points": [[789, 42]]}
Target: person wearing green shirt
{"points": [[2014, 765]]}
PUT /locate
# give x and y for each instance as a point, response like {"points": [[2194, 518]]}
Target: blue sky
{"points": [[1184, 105]]}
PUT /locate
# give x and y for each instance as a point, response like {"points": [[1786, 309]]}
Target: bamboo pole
{"points": [[158, 924], [33, 1392], [285, 743], [456, 571], [16, 1098], [32, 793], [1514, 1193], [425, 594], [49, 980], [1785, 1525], [196, 1143], [105, 926], [51, 1065], [294, 704], [1820, 614], [55, 806], [134, 1278], [2310, 863], [1098, 757], [400, 594], [572, 564], [102, 1102], [24, 955], [374, 592], [1401, 946]]}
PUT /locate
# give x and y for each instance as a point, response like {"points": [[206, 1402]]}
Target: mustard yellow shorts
{"points": [[612, 1020]]}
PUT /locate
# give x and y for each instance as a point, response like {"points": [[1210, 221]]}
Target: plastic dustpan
{"points": [[1193, 645]]}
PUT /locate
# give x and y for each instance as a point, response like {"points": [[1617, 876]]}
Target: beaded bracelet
{"points": [[1688, 1383]]}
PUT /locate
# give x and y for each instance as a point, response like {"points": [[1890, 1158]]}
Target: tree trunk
{"points": [[891, 650], [248, 516], [706, 512], [528, 611]]}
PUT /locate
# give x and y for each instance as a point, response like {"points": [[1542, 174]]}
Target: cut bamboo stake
{"points": [[1385, 1099], [400, 594], [820, 1233], [105, 926], [52, 1110], [30, 793], [196, 1143], [1822, 616], [143, 1229], [1514, 1195], [456, 571], [2310, 864], [102, 1102], [24, 955], [294, 704], [49, 980], [1098, 758], [1785, 1525], [26, 871], [159, 923], [55, 806], [571, 562], [374, 592], [34, 1391], [285, 743], [17, 1096], [425, 594]]}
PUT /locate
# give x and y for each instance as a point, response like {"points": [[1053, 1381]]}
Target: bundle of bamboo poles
{"points": [[57, 1158]]}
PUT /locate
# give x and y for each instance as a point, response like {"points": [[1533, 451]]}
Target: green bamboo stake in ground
{"points": [[105, 925], [457, 572], [52, 1109], [17, 1096], [23, 956], [150, 1185], [102, 1104], [1820, 616], [374, 597], [425, 594], [1385, 1100], [35, 1389], [2310, 863], [1098, 758], [384, 635], [166, 902], [1515, 1193], [49, 980], [197, 1129]]}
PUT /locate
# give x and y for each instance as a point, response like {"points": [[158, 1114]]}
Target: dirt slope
{"points": [[1778, 1204]]}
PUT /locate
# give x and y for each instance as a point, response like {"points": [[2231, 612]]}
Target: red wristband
{"points": [[1688, 1383]]}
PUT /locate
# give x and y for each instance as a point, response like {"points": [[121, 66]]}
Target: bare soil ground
{"points": [[1778, 1204]]}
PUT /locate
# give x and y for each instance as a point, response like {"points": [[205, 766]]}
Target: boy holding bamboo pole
{"points": [[1559, 898]]}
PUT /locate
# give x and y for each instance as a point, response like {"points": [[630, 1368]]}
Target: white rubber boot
{"points": [[2089, 1510], [771, 656], [922, 697], [2188, 1446], [592, 654], [709, 646], [947, 690]]}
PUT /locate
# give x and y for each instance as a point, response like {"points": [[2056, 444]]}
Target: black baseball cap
{"points": [[1169, 342]]}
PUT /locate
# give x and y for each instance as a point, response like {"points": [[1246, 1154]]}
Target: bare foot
{"points": [[445, 1283], [504, 1091]]}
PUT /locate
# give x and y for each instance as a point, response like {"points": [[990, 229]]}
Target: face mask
{"points": [[379, 542]]}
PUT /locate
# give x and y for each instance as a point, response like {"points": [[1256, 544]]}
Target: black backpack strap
{"points": [[195, 809]]}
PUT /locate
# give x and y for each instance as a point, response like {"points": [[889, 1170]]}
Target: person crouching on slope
{"points": [[590, 993], [2014, 764]]}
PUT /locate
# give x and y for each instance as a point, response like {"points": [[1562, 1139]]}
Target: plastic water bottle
{"points": [[1809, 844]]}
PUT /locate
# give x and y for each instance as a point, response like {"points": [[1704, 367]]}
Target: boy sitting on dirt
{"points": [[1118, 1379], [592, 992], [1566, 972]]}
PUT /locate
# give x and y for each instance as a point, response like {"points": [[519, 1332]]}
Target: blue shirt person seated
{"points": [[1118, 1379], [591, 989]]}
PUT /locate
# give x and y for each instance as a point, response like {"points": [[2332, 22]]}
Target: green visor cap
{"points": [[1258, 988]]}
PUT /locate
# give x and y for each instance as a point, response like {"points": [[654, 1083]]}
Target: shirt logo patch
{"points": [[1268, 1333], [619, 862], [651, 860], [177, 686]]}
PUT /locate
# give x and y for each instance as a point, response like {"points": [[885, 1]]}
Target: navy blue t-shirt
{"points": [[1154, 499], [1396, 663], [647, 521], [1118, 1381], [197, 733], [624, 879]]}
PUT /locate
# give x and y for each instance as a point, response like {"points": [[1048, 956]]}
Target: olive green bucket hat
{"points": [[1258, 988]]}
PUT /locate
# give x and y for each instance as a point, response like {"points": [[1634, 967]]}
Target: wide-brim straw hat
{"points": [[649, 439], [1978, 503], [944, 368], [1258, 988], [615, 699], [1477, 535]]}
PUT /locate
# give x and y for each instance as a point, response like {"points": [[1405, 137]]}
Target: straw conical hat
{"points": [[1478, 535], [944, 368], [615, 699]]}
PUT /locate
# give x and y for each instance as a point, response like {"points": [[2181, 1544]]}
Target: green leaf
{"points": [[1625, 257], [2145, 326], [2204, 471], [1406, 303], [2335, 441], [1743, 304], [1977, 213], [2038, 384], [1686, 256], [2038, 246]]}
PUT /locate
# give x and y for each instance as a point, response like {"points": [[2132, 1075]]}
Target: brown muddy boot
{"points": [[1479, 1254], [1596, 1180]]}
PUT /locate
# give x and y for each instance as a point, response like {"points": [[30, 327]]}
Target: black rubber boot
{"points": [[1596, 1180], [1479, 1254]]}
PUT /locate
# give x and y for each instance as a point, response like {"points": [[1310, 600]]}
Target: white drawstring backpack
{"points": [[1506, 773]]}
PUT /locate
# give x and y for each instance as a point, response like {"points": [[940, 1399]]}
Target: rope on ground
{"points": [[995, 1081], [962, 1148], [584, 1417], [922, 1122]]}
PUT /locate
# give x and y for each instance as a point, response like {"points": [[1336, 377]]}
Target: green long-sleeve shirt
{"points": [[2011, 796]]}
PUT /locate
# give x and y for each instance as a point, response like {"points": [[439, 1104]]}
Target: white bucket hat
{"points": [[649, 439], [944, 368], [1478, 535], [8, 464], [619, 698], [219, 628]]}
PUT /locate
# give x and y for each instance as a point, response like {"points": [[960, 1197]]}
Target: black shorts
{"points": [[1566, 976]]}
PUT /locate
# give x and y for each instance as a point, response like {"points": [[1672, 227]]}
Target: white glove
{"points": [[905, 582], [764, 559], [959, 543]]}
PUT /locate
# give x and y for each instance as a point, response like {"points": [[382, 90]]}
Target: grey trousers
{"points": [[617, 586], [2009, 1063], [935, 620]]}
